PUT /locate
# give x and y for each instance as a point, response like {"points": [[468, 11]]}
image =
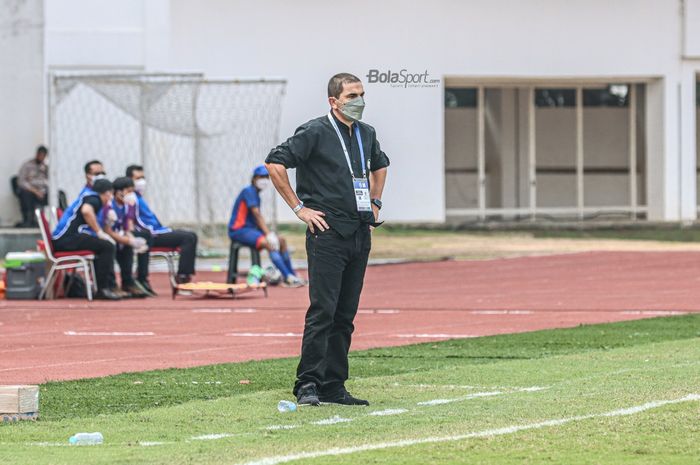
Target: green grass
{"points": [[589, 369]]}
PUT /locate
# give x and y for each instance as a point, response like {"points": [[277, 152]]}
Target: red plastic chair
{"points": [[81, 260]]}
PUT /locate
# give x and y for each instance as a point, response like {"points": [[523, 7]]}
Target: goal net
{"points": [[197, 139]]}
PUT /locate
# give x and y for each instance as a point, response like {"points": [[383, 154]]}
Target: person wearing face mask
{"points": [[148, 226], [118, 222], [248, 227], [33, 186], [79, 229], [340, 173]]}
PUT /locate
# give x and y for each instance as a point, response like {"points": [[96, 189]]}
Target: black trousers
{"points": [[28, 203], [104, 255], [125, 258], [186, 240], [336, 274]]}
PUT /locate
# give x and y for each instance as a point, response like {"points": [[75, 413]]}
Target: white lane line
{"points": [[108, 333], [434, 336], [224, 310], [501, 312], [332, 421], [151, 443], [377, 311], [390, 411], [476, 434], [211, 437], [265, 334], [653, 312]]}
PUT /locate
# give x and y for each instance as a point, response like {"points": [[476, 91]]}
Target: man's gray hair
{"points": [[335, 84]]}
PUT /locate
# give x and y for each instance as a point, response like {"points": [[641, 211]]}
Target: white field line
{"points": [[265, 334], [476, 395], [471, 386], [391, 411], [434, 336], [108, 333], [476, 434], [279, 427], [332, 421], [211, 437]]}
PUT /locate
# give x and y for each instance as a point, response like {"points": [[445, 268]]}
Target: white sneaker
{"points": [[294, 281]]}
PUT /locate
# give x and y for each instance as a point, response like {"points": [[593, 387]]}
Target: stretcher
{"points": [[211, 289]]}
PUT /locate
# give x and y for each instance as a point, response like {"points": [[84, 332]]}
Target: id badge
{"points": [[361, 186]]}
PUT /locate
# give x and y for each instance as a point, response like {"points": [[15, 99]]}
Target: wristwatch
{"points": [[377, 203], [299, 206]]}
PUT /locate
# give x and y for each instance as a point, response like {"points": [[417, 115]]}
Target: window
{"points": [[460, 97], [554, 98], [613, 95]]}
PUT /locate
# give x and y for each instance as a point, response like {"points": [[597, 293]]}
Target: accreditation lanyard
{"points": [[361, 185]]}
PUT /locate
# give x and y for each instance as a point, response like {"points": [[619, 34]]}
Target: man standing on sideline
{"points": [[33, 186], [340, 171]]}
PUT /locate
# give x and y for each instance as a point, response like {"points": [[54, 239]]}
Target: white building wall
{"points": [[308, 41], [21, 93]]}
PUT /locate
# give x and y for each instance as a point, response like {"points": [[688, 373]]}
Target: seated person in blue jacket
{"points": [[157, 235], [248, 227], [79, 229], [118, 222]]}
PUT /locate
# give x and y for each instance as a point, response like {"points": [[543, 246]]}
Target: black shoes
{"points": [[107, 294], [146, 287], [308, 395], [183, 278], [342, 397], [134, 291]]}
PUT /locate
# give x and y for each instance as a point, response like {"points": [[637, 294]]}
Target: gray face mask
{"points": [[352, 109]]}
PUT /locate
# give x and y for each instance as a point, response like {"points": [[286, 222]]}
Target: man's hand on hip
{"points": [[313, 219], [375, 210]]}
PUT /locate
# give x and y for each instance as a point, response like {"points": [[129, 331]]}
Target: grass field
{"points": [[617, 393]]}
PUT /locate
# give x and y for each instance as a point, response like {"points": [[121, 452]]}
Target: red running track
{"points": [[401, 304]]}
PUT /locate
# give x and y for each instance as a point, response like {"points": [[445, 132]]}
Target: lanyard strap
{"points": [[345, 149]]}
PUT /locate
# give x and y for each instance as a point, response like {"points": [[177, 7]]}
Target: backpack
{"points": [[74, 286]]}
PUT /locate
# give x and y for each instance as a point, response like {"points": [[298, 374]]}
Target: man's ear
{"points": [[333, 103]]}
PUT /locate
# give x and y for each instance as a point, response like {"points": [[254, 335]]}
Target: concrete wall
{"points": [[21, 93], [107, 34]]}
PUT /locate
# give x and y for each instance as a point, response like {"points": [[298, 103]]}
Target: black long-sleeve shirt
{"points": [[324, 181]]}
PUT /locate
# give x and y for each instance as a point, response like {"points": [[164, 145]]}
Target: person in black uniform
{"points": [[341, 171], [81, 230]]}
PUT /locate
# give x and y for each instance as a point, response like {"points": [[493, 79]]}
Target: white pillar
{"points": [[22, 93], [662, 139], [688, 179]]}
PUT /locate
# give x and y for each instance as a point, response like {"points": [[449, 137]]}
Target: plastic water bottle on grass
{"points": [[86, 439], [286, 406]]}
